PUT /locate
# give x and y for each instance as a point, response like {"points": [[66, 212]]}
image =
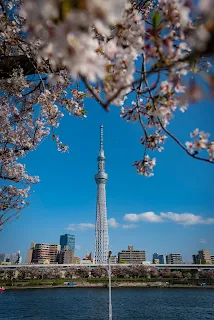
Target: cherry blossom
{"points": [[145, 166], [201, 142], [54, 54]]}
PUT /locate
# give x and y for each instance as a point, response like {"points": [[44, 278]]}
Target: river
{"points": [[92, 304]]}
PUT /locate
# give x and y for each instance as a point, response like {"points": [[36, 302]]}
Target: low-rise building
{"points": [[131, 256], [174, 258], [76, 260], [66, 256], [113, 259], [88, 259], [212, 259], [155, 261]]}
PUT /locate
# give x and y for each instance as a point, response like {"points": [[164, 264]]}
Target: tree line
{"points": [[120, 272]]}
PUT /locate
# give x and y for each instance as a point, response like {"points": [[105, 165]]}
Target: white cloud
{"points": [[179, 218], [186, 218], [129, 226], [203, 241], [146, 216], [112, 223], [77, 247], [80, 226]]}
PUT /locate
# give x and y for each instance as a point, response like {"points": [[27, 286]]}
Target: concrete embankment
{"points": [[122, 284]]}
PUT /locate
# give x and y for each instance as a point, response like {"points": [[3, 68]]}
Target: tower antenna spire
{"points": [[101, 229], [101, 137]]}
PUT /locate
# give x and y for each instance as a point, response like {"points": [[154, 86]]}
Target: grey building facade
{"points": [[174, 258]]}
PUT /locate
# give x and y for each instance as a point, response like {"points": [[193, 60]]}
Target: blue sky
{"points": [[67, 192]]}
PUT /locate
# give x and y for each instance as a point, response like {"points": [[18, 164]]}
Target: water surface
{"points": [[92, 304]]}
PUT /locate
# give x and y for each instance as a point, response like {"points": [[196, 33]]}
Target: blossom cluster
{"points": [[120, 36], [200, 141], [66, 34], [145, 166], [153, 141]]}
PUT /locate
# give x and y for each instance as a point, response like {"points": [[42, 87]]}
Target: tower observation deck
{"points": [[101, 229]]}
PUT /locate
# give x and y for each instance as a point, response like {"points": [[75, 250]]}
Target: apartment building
{"points": [[44, 253], [174, 258], [131, 256], [202, 257]]}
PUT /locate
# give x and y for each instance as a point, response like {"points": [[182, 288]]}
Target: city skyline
{"points": [[66, 196], [203, 256], [68, 241]]}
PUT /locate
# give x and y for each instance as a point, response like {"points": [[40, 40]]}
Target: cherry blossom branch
{"points": [[164, 128], [95, 95], [34, 89], [183, 147], [65, 48]]}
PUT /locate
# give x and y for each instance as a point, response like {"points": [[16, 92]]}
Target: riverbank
{"points": [[114, 285]]}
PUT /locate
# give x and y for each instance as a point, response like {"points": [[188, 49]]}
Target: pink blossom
{"points": [[194, 133], [190, 146]]}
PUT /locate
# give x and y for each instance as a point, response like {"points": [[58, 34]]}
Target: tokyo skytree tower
{"points": [[101, 231]]}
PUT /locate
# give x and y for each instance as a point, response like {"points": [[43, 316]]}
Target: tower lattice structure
{"points": [[101, 230]]}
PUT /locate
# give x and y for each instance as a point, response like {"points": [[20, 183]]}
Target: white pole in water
{"points": [[109, 285]]}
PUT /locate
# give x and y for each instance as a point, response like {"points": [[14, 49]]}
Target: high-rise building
{"points": [[195, 259], [2, 257], [131, 256], [67, 240], [204, 257], [158, 258], [13, 258], [155, 258], [162, 259], [45, 253], [29, 255], [174, 258], [101, 229]]}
